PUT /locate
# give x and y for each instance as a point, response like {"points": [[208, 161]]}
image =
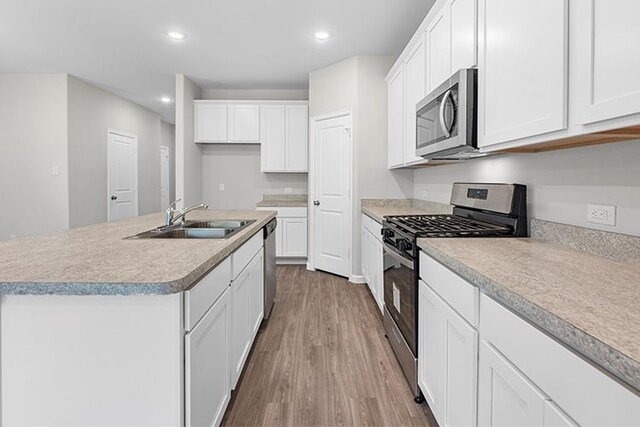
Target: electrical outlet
{"points": [[423, 193], [55, 171], [221, 187], [601, 214], [288, 190]]}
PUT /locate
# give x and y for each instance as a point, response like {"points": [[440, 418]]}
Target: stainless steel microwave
{"points": [[446, 119]]}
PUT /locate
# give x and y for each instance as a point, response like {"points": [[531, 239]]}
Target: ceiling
{"points": [[121, 45]]}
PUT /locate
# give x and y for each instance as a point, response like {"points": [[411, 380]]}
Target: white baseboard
{"points": [[357, 279], [310, 267], [291, 261]]}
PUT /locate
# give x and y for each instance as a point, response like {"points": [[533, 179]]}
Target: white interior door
{"points": [[164, 177], [122, 171], [332, 191]]}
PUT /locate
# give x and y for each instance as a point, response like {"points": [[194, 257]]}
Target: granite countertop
{"points": [[283, 201], [588, 302], [96, 260], [379, 208]]}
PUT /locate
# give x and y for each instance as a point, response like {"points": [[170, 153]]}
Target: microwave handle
{"points": [[443, 103]]}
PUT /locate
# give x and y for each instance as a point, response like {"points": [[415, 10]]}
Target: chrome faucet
{"points": [[172, 214]]}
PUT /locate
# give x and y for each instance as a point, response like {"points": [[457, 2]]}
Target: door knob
{"points": [[114, 197], [316, 202]]}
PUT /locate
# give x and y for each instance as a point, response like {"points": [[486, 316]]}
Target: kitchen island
{"points": [[98, 329]]}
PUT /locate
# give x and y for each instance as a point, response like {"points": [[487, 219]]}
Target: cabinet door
{"points": [[439, 49], [555, 417], [396, 119], [244, 123], [297, 138], [210, 122], [464, 34], [378, 271], [414, 71], [607, 70], [272, 138], [256, 299], [522, 69], [431, 345], [208, 366], [294, 237], [279, 237], [365, 256], [241, 323], [505, 397]]}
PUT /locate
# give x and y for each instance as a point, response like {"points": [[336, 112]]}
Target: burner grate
{"points": [[447, 226]]}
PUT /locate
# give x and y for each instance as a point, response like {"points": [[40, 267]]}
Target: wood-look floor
{"points": [[322, 360]]}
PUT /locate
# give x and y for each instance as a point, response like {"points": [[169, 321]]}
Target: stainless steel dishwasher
{"points": [[269, 266]]}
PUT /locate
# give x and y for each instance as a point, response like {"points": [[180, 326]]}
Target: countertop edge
{"points": [[612, 361], [181, 284]]}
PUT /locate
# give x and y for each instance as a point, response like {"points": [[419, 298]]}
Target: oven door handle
{"points": [[397, 255]]}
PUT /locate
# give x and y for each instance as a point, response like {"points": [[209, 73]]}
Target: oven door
{"points": [[401, 293]]}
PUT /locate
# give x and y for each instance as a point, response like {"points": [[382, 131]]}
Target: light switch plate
{"points": [[221, 187], [601, 214], [288, 190]]}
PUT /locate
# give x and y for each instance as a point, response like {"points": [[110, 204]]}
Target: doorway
{"points": [[122, 175], [331, 187], [164, 177]]}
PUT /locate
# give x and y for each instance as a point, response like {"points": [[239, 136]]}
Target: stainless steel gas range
{"points": [[479, 210]]}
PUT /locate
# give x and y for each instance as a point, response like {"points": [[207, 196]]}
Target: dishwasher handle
{"points": [[270, 227]]}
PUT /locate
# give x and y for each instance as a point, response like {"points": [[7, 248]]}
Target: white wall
{"points": [[33, 140], [238, 165], [357, 84], [168, 139], [560, 183], [238, 168], [188, 153], [92, 112]]}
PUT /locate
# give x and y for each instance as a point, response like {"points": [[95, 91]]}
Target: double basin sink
{"points": [[211, 229]]}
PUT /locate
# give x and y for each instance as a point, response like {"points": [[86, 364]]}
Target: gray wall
{"points": [[238, 168], [168, 139], [238, 165], [357, 84], [560, 183], [33, 140], [92, 112], [188, 153]]}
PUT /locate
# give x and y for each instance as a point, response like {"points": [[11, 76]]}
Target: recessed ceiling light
{"points": [[176, 35], [321, 35], [165, 99]]}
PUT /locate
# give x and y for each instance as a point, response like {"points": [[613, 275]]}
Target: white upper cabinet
{"points": [[395, 113], [297, 125], [464, 34], [606, 72], [210, 122], [272, 118], [243, 123], [414, 92], [284, 137], [522, 69], [439, 48]]}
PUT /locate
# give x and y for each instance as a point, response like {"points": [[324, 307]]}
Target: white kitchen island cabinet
{"points": [[154, 353]]}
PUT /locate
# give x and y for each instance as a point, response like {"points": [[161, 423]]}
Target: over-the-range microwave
{"points": [[446, 119]]}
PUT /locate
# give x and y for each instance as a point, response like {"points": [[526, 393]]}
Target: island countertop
{"points": [[589, 303], [98, 260]]}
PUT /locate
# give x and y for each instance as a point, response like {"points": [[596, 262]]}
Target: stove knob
{"points": [[405, 245], [387, 233]]}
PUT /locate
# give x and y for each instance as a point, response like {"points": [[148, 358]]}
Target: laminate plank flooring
{"points": [[322, 360]]}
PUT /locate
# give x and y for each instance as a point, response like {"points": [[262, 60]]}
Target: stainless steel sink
{"points": [[221, 223], [210, 229]]}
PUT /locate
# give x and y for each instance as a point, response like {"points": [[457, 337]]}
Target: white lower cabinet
{"points": [[372, 259], [208, 365], [507, 398], [291, 232], [247, 311], [448, 360]]}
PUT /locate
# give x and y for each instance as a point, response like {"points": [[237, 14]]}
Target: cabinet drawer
{"points": [[373, 226], [583, 391], [241, 257], [203, 294], [457, 292]]}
